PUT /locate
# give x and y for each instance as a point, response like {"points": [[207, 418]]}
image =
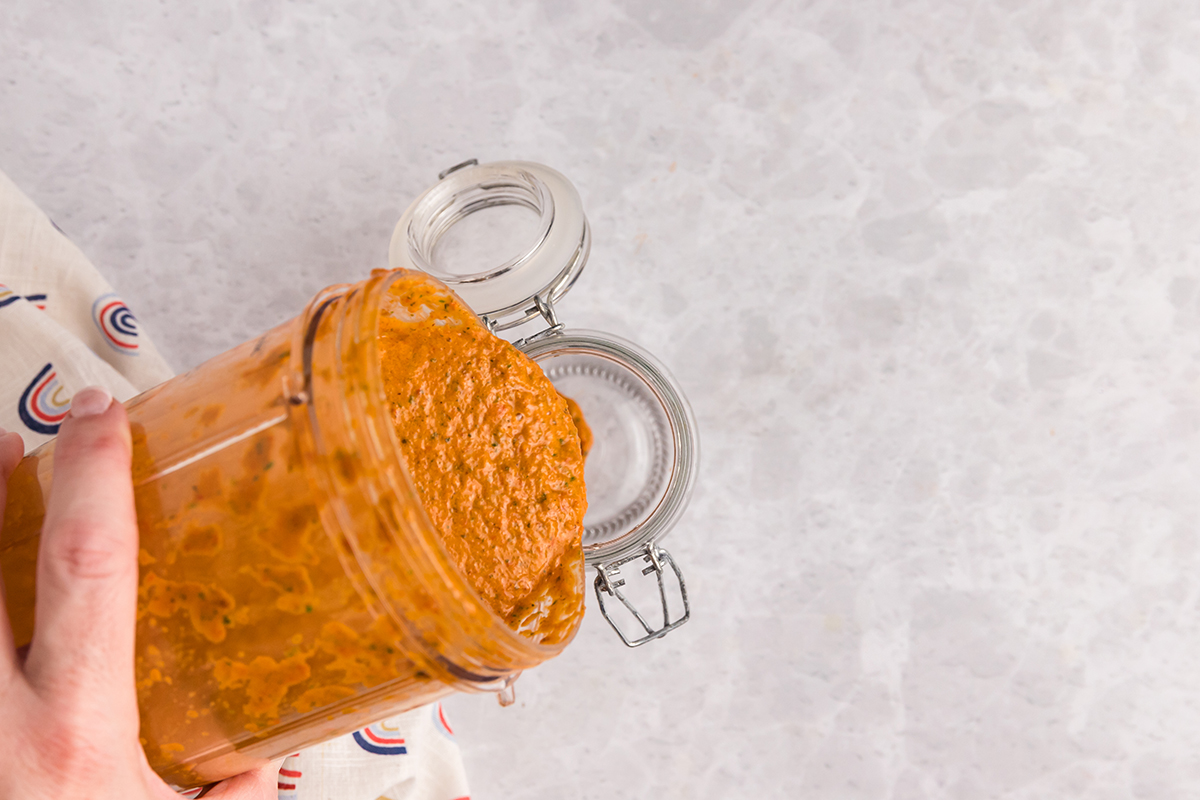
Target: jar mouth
{"points": [[470, 610], [433, 219]]}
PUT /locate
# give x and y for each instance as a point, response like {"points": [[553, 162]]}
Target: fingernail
{"points": [[90, 401]]}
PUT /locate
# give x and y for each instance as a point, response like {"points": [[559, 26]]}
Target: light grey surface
{"points": [[928, 271]]}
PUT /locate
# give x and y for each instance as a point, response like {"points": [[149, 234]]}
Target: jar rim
{"points": [[498, 628], [398, 508]]}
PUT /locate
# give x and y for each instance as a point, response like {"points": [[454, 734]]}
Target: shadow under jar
{"points": [[292, 587]]}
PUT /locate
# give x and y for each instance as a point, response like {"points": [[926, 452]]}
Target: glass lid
{"points": [[545, 267], [643, 461]]}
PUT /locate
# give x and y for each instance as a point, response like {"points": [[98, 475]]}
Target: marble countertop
{"points": [[928, 272]]}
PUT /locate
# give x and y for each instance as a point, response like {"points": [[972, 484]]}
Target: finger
{"points": [[11, 449], [257, 784], [82, 649]]}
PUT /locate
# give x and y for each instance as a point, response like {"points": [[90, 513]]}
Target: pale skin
{"points": [[69, 720]]}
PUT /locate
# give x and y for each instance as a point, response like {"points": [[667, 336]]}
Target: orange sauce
{"points": [[493, 453], [585, 430]]}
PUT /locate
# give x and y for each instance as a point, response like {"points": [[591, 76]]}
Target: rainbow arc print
{"points": [[44, 403], [381, 739], [8, 297], [116, 323], [288, 783]]}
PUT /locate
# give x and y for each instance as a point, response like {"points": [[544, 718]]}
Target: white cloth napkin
{"points": [[61, 325], [409, 756], [63, 328]]}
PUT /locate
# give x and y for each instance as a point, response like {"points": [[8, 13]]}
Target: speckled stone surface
{"points": [[927, 270]]}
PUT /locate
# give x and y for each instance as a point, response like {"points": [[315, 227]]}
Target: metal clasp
{"points": [[470, 162], [608, 583], [543, 306]]}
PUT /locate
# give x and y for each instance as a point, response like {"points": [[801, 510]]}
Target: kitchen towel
{"points": [[61, 325]]}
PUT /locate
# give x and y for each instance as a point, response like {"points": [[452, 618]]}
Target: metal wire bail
{"points": [[608, 583]]}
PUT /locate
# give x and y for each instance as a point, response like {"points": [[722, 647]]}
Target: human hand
{"points": [[69, 727]]}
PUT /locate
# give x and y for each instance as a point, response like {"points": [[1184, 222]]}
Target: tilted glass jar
{"points": [[292, 588]]}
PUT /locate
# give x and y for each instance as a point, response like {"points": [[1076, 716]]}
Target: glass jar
{"points": [[292, 588], [642, 469]]}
